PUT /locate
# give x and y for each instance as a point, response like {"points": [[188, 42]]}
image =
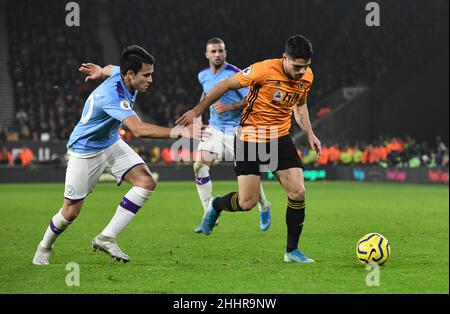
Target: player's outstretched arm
{"points": [[221, 108], [217, 92], [95, 72], [141, 129], [301, 115]]}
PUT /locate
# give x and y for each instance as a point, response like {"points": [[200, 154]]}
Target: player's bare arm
{"points": [[95, 72], [221, 88], [221, 107], [142, 129], [301, 115]]}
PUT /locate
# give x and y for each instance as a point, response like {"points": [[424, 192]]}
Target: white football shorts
{"points": [[83, 172], [219, 143]]}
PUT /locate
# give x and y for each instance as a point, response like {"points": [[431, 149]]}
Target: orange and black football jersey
{"points": [[271, 100]]}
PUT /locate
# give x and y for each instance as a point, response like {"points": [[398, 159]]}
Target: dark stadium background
{"points": [[372, 84], [379, 104]]}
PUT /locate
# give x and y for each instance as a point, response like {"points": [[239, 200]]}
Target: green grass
{"points": [[167, 257]]}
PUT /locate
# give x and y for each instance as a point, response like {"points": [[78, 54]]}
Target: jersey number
{"points": [[85, 119]]}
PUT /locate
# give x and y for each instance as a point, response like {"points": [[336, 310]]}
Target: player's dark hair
{"points": [[298, 47], [214, 40], [133, 57]]}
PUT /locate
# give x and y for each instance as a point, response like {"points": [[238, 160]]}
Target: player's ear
{"points": [[130, 74]]}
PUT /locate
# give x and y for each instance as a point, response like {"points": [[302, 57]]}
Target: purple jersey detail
{"points": [[53, 227], [120, 91], [232, 68], [129, 205], [201, 181]]}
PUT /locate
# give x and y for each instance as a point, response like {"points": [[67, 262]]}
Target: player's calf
{"points": [[203, 183], [295, 217], [128, 207]]}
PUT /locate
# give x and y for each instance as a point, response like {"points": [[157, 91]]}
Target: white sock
{"points": [[127, 209], [262, 199], [57, 225], [203, 183]]}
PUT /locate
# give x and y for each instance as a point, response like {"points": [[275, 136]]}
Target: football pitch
{"points": [[168, 257]]}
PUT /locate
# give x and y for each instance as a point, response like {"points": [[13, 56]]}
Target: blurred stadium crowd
{"points": [[50, 93], [392, 152], [385, 152]]}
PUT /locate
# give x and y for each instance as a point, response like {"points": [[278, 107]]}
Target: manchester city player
{"points": [[225, 115], [95, 147]]}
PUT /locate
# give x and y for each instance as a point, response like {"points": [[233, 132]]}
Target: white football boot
{"points": [[42, 255], [110, 247]]}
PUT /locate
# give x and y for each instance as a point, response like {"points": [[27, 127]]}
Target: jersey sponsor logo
{"points": [[285, 101], [125, 105], [246, 71], [278, 95]]}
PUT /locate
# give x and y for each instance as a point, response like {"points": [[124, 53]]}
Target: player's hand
{"points": [[221, 107], [91, 70], [315, 144], [187, 118], [196, 130]]}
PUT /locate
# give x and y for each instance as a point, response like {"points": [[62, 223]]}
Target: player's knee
{"points": [[298, 194], [70, 213], [147, 182], [198, 168], [201, 170], [72, 216], [71, 209], [248, 204]]}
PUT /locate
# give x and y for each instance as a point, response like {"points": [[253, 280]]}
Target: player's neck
{"points": [[215, 69], [284, 70], [128, 85]]}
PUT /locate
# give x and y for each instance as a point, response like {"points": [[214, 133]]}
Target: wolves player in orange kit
{"points": [[262, 142], [225, 115]]}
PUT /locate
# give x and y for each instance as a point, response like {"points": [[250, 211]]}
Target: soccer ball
{"points": [[373, 248]]}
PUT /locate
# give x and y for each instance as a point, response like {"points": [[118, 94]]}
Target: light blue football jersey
{"points": [[105, 109], [227, 121]]}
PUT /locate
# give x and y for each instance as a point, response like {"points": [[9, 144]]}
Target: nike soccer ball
{"points": [[373, 248]]}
